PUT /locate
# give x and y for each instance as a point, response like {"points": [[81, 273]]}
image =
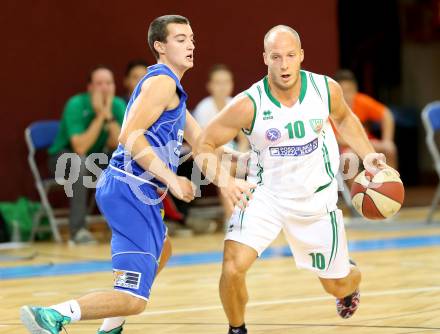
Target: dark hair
{"points": [[96, 68], [218, 68], [158, 29], [345, 75], [134, 63]]}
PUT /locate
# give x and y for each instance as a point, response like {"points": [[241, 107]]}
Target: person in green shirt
{"points": [[91, 123]]}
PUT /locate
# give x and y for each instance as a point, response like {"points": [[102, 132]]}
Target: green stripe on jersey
{"points": [[323, 187], [248, 132], [269, 94], [327, 161], [334, 237], [314, 85], [328, 94], [302, 92], [241, 219], [259, 93]]}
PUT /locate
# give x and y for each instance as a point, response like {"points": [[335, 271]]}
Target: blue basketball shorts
{"points": [[134, 212]]}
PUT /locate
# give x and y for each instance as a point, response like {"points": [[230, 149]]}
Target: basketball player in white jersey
{"points": [[291, 175]]}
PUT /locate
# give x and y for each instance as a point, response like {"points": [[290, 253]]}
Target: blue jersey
{"points": [[165, 135]]}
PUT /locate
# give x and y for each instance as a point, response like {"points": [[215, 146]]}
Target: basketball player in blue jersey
{"points": [[155, 124]]}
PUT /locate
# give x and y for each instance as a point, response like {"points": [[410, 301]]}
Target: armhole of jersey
{"points": [[179, 90], [249, 131], [328, 95], [315, 86]]}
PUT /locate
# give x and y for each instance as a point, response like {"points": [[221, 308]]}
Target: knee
{"points": [[136, 305], [232, 269], [237, 259]]}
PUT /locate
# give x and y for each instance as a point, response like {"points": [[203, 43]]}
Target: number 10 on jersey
{"points": [[318, 260], [296, 130]]}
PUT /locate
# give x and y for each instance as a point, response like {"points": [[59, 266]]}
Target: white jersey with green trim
{"points": [[294, 149]]}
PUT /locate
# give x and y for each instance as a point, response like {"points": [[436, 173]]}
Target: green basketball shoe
{"points": [[42, 320], [116, 330]]}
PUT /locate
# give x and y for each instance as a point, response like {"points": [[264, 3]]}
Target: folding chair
{"points": [[431, 121], [40, 135]]}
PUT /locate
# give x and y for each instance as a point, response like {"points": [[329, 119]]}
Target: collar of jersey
{"points": [[302, 92]]}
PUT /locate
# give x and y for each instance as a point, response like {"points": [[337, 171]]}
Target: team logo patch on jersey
{"points": [[267, 114], [316, 124], [126, 279], [179, 142], [273, 134], [294, 151]]}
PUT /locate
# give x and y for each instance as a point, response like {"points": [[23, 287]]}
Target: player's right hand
{"points": [[182, 188], [237, 192]]}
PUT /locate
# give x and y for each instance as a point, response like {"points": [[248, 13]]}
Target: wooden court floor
{"points": [[400, 292]]}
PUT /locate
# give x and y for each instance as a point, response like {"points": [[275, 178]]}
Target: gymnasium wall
{"points": [[51, 45]]}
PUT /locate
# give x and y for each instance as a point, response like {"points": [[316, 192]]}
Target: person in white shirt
{"points": [[220, 86]]}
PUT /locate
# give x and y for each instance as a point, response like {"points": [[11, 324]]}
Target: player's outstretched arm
{"points": [[351, 129], [222, 129], [157, 95]]}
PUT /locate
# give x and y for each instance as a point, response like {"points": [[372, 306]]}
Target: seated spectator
{"points": [[369, 111], [90, 123], [220, 86], [134, 72]]}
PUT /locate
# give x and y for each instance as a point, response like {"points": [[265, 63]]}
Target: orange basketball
{"points": [[379, 196]]}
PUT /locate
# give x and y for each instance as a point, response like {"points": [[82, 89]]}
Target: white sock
{"points": [[69, 309], [111, 323]]}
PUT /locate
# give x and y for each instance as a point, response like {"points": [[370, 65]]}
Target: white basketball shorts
{"points": [[313, 227]]}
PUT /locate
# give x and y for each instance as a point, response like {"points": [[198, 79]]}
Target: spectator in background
{"points": [[220, 86], [135, 71], [91, 123], [369, 111]]}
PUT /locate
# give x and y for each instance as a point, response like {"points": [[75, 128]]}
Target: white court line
{"points": [[292, 301]]}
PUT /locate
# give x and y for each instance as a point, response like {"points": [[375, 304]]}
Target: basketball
{"points": [[378, 196]]}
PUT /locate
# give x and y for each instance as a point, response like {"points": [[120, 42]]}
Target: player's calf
{"points": [[342, 287], [348, 305], [346, 291]]}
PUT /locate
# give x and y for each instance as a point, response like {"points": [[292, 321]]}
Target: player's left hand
{"points": [[237, 192]]}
